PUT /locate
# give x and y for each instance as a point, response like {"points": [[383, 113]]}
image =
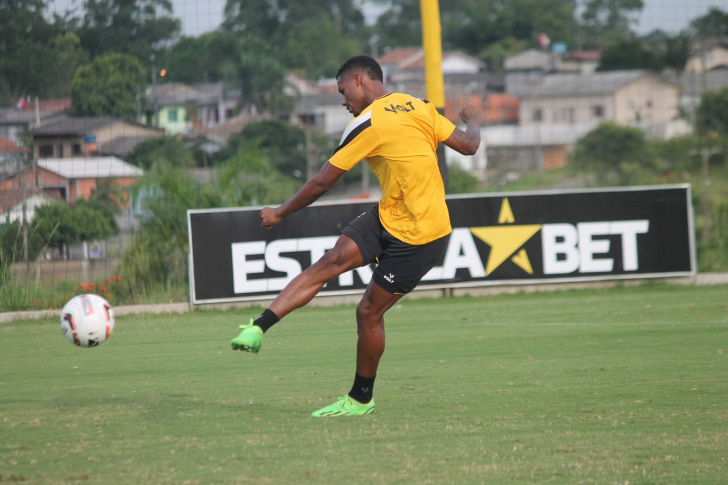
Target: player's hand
{"points": [[269, 217], [470, 114]]}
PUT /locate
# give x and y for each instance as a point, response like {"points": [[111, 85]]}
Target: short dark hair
{"points": [[364, 63]]}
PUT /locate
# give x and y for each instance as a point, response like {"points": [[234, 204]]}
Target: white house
{"points": [[11, 203]]}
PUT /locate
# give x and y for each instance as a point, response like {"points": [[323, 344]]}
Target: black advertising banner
{"points": [[506, 238]]}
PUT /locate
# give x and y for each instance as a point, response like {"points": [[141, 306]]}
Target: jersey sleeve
{"points": [[443, 127], [359, 141]]}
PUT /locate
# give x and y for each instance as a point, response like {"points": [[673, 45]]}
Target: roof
{"points": [[395, 56], [419, 63], [98, 167], [12, 116], [122, 145], [311, 102], [171, 94], [414, 58], [68, 125], [10, 198], [590, 56], [577, 85], [692, 82], [528, 59], [7, 146]]}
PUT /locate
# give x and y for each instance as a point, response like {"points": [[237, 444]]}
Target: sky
{"points": [[200, 16]]}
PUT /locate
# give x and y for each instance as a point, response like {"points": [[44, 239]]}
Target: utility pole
{"points": [[310, 155]]}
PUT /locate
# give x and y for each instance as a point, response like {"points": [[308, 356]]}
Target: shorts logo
{"points": [[389, 277]]}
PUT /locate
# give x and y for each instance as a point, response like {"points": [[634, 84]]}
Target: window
{"points": [[597, 111], [45, 151], [229, 113], [60, 151], [172, 115], [571, 116], [537, 114], [77, 149]]}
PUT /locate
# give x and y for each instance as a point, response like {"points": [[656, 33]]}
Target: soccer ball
{"points": [[87, 320]]}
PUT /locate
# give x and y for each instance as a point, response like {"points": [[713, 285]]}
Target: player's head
{"points": [[355, 79]]}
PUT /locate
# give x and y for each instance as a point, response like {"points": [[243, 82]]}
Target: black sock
{"points": [[266, 320], [363, 389]]}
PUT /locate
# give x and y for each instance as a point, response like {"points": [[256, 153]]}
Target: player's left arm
{"points": [[468, 141], [314, 188]]}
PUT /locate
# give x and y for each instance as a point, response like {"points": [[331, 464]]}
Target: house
{"points": [[11, 203], [322, 112], [66, 137], [631, 98], [532, 148], [404, 68], [15, 123], [715, 58], [531, 65], [72, 178], [694, 84], [180, 108], [11, 153]]}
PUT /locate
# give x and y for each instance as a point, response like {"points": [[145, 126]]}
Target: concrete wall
{"points": [[646, 101], [577, 110]]}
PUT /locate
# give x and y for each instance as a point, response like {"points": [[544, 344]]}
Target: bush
{"points": [[461, 181], [618, 155]]}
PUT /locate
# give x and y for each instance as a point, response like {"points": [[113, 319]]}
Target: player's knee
{"points": [[365, 315]]}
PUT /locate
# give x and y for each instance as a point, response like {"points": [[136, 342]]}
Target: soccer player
{"points": [[405, 234]]}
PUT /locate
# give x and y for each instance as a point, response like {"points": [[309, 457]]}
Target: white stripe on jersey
{"points": [[354, 123]]}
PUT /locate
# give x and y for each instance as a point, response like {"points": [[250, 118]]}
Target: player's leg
{"points": [[370, 327], [343, 257], [401, 268], [369, 349]]}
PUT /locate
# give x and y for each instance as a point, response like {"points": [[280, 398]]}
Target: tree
{"points": [[630, 54], [713, 25], [61, 224], [474, 25], [711, 117], [11, 243], [284, 145], [308, 35], [165, 149], [26, 49], [68, 57], [617, 154], [135, 27], [111, 85], [606, 21]]}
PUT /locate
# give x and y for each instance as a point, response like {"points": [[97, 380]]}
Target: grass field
{"points": [[614, 386]]}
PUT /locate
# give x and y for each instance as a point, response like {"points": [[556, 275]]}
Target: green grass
{"points": [[609, 386]]}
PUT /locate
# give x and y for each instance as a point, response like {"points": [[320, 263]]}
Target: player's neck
{"points": [[377, 90]]}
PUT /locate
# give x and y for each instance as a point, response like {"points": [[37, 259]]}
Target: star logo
{"points": [[505, 241]]}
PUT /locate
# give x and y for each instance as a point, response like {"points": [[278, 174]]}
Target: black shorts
{"points": [[401, 266]]}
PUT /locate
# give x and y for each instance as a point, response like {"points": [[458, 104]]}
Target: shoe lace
{"points": [[248, 325]]}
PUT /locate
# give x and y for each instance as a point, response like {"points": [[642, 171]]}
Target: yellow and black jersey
{"points": [[398, 135]]}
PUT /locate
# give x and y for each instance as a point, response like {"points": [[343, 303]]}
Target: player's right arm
{"points": [[466, 142], [314, 188]]}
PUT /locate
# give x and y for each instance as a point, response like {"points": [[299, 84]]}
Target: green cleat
{"points": [[250, 339], [345, 406]]}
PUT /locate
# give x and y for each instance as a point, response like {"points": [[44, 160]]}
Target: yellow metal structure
{"points": [[432, 44]]}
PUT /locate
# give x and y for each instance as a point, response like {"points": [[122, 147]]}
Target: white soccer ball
{"points": [[87, 320]]}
